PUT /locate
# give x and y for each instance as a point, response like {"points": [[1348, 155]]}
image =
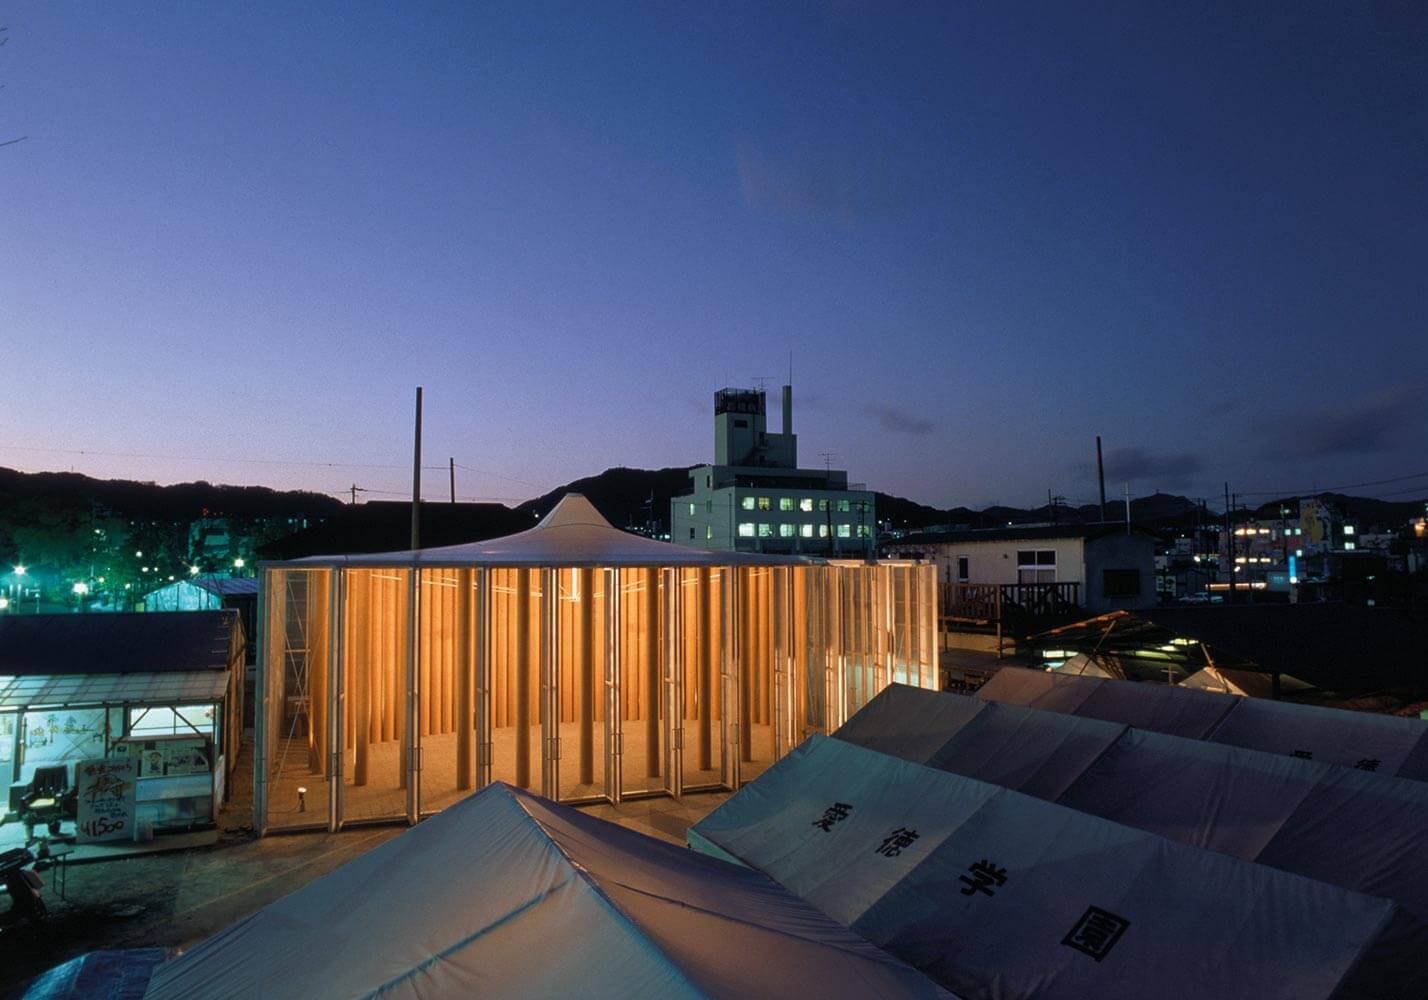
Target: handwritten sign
{"points": [[106, 799]]}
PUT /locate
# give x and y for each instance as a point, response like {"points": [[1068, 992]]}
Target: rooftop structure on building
{"points": [[755, 498]]}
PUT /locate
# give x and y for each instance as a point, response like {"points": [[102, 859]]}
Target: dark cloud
{"points": [[1372, 423], [896, 421], [1128, 464]]}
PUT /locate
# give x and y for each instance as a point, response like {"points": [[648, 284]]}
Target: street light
{"points": [[4, 603], [19, 571], [193, 571], [237, 563]]}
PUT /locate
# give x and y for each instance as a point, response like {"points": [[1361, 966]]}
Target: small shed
{"points": [[77, 687], [573, 659]]}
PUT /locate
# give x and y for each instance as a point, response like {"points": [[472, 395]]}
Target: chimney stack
{"points": [[788, 409]]}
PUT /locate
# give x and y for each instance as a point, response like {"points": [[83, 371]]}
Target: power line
{"points": [[1333, 489]]}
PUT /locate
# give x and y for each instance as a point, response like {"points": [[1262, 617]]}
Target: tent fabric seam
{"points": [[584, 874]]}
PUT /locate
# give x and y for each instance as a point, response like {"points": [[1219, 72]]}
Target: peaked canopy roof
{"points": [[508, 894], [1354, 828], [1393, 745], [996, 894], [572, 534]]}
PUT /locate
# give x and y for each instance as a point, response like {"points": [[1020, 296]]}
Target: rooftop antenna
{"points": [[827, 457]]}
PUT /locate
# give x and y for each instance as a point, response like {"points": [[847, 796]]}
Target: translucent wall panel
{"points": [[515, 689], [296, 652], [374, 686], [448, 627], [753, 623], [703, 604], [643, 737], [580, 666]]}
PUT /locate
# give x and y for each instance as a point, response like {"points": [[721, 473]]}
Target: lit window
{"points": [[806, 530], [1299, 553], [746, 529], [1349, 546], [747, 503], [844, 505], [1036, 566], [765, 530], [785, 531], [764, 504], [785, 503], [822, 504], [845, 531], [865, 531], [823, 531], [708, 532], [1348, 529], [806, 505], [691, 510]]}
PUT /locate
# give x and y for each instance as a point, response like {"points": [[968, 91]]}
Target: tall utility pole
{"points": [[1101, 475], [416, 477], [1229, 543], [453, 479], [1127, 493]]}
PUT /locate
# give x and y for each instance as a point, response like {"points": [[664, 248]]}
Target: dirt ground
{"points": [[179, 898]]}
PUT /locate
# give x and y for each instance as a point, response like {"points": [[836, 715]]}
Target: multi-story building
{"points": [[754, 498]]}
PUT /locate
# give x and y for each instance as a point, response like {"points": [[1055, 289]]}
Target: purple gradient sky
{"points": [[987, 232]]}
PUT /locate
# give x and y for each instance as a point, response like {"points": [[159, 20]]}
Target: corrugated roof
{"points": [[180, 687], [225, 586], [115, 643]]}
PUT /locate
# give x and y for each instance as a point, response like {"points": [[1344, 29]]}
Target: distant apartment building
{"points": [[754, 498]]}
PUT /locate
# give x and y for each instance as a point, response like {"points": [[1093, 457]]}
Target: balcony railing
{"points": [[1011, 607]]}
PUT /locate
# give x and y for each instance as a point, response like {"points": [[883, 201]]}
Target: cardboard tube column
{"points": [[317, 671], [586, 609], [650, 638], [464, 600], [747, 671], [523, 678], [362, 670], [706, 673]]}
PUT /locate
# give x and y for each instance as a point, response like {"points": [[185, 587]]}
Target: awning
{"points": [[182, 687]]}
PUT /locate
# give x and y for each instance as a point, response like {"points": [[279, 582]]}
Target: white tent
{"points": [[1357, 829], [1384, 743], [1244, 683], [510, 895], [999, 895], [572, 658]]}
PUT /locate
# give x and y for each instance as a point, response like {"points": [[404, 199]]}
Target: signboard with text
{"points": [[106, 804]]}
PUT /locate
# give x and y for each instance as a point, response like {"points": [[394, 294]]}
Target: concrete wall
{"points": [[1120, 551]]}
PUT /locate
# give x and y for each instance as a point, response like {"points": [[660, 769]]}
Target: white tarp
{"points": [[572, 534], [1385, 743], [1357, 829], [508, 894], [999, 895]]}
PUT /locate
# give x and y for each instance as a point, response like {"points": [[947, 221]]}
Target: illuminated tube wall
{"points": [[388, 693]]}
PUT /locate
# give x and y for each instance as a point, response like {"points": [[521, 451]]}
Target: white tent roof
{"points": [[572, 534], [1395, 745], [507, 894], [1357, 829], [1001, 895]]}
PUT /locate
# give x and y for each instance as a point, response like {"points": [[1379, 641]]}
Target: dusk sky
{"points": [[236, 237]]}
